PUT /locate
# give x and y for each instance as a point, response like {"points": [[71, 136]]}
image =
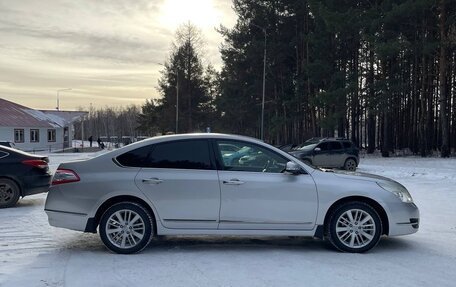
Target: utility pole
{"points": [[264, 80], [177, 100], [58, 97]]}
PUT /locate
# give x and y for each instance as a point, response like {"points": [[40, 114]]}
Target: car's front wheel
{"points": [[9, 193], [354, 227], [126, 227]]}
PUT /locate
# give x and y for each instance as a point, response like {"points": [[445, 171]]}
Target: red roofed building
{"points": [[34, 130]]}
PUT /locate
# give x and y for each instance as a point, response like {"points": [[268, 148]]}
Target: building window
{"points": [[51, 135], [34, 135], [18, 135]]}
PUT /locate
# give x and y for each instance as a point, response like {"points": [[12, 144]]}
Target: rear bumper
{"points": [[68, 220], [34, 184], [35, 190]]}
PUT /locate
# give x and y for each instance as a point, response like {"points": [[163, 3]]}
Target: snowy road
{"points": [[34, 254]]}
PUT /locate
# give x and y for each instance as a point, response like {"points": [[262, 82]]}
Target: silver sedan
{"points": [[215, 184]]}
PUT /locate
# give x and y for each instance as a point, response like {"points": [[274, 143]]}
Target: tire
{"points": [[352, 235], [350, 164], [9, 193], [131, 227]]}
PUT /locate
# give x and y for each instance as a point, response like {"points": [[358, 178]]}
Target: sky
{"points": [[108, 52]]}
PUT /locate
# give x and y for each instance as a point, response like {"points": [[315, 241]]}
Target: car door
{"points": [[336, 155], [321, 155], [182, 183], [257, 194]]}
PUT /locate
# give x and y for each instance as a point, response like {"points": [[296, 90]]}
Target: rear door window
{"points": [[191, 154], [335, 146], [135, 158], [185, 154], [347, 145]]}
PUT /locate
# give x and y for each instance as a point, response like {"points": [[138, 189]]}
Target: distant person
{"points": [[100, 143], [90, 140]]}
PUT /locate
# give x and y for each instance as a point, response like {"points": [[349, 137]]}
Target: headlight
{"points": [[397, 190]]}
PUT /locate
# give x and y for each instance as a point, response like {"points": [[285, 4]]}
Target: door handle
{"points": [[233, 181], [152, 180]]}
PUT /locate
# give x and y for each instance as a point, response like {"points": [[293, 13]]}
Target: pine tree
{"points": [[185, 100]]}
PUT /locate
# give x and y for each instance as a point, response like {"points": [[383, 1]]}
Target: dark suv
{"points": [[328, 152]]}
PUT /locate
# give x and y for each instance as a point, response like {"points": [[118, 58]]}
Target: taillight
{"points": [[64, 176], [36, 163]]}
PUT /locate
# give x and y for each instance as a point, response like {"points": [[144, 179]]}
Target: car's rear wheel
{"points": [[354, 227], [350, 164], [126, 227], [9, 193]]}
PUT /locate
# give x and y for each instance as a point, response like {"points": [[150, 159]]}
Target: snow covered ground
{"points": [[34, 254]]}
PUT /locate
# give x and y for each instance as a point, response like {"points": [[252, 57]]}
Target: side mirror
{"points": [[293, 168], [317, 149]]}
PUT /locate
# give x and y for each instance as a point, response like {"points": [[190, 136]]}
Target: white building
{"points": [[67, 120], [34, 130]]}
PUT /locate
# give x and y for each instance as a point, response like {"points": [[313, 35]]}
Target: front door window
{"points": [[250, 157]]}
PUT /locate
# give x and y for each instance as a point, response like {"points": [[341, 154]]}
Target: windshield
{"points": [[307, 147]]}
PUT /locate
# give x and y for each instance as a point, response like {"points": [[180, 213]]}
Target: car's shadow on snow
{"points": [[92, 243], [24, 206], [30, 201], [210, 243], [395, 244], [231, 243]]}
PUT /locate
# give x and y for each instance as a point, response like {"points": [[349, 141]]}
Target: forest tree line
{"points": [[107, 122], [381, 73]]}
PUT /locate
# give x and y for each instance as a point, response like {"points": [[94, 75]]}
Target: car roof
{"points": [[164, 138], [174, 137]]}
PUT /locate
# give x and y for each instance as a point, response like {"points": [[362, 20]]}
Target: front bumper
{"points": [[404, 219]]}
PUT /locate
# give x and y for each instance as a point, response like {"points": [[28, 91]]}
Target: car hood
{"points": [[359, 175]]}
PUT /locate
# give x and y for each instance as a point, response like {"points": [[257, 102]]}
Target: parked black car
{"points": [[328, 152], [21, 174]]}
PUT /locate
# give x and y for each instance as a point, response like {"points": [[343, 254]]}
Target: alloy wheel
{"points": [[125, 228], [355, 228]]}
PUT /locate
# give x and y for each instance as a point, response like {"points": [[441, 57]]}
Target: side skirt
{"points": [[222, 232]]}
